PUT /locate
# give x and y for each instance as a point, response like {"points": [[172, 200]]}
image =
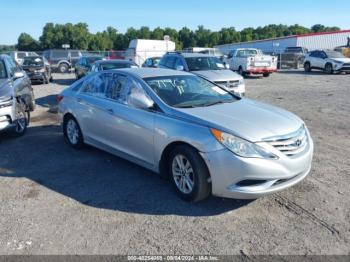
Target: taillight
{"points": [[59, 98]]}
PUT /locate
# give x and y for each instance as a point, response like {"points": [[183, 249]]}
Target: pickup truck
{"points": [[251, 61], [292, 57]]}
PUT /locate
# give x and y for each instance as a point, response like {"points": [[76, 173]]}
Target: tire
{"points": [[32, 104], [266, 74], [63, 68], [22, 120], [72, 132], [307, 67], [329, 69], [192, 185], [46, 79], [240, 71]]}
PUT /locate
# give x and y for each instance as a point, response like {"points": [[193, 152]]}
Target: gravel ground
{"points": [[55, 200]]}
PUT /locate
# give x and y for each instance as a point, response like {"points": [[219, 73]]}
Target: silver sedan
{"points": [[205, 139]]}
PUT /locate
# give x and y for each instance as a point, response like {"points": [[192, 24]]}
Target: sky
{"points": [[17, 16]]}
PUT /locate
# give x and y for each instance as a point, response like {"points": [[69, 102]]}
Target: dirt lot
{"points": [[55, 200]]}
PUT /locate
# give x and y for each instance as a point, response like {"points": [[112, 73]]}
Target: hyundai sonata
{"points": [[207, 140]]}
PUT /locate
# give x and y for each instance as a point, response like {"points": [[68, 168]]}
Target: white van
{"points": [[141, 49]]}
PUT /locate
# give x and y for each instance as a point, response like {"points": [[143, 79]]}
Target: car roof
{"points": [[192, 54], [109, 61], [152, 72]]}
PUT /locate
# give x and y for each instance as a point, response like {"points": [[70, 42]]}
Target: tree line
{"points": [[79, 37]]}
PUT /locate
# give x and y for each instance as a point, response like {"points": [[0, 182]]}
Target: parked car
{"points": [[327, 60], [152, 62], [177, 124], [62, 60], [16, 97], [141, 49], [103, 65], [292, 57], [206, 66], [37, 68], [251, 61], [83, 65], [18, 56]]}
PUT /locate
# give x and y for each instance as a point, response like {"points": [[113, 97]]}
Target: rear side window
{"points": [[59, 54], [95, 85], [74, 54]]}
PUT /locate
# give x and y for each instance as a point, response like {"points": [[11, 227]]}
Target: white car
{"points": [[19, 56], [328, 60], [251, 61]]}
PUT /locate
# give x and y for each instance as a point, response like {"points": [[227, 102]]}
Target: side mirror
{"points": [[140, 100], [180, 68], [17, 75]]}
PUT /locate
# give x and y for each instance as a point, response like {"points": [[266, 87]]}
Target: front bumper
{"points": [[260, 70], [6, 117], [34, 77], [229, 171]]}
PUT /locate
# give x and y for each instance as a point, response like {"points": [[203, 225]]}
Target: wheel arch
{"points": [[164, 158]]}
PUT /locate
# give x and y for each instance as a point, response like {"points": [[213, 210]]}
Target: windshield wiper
{"points": [[214, 103]]}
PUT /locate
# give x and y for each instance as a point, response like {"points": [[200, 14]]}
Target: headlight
{"points": [[6, 101], [241, 81], [241, 147]]}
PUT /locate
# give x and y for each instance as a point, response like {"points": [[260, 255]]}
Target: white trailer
{"points": [[141, 49]]}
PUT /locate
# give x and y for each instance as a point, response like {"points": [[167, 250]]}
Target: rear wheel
{"points": [[63, 68], [189, 174], [72, 132], [266, 74], [329, 68], [307, 67]]}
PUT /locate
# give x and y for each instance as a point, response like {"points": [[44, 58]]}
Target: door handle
{"points": [[110, 110], [79, 99]]}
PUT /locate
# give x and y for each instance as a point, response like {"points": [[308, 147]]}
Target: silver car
{"points": [[16, 97], [177, 124]]}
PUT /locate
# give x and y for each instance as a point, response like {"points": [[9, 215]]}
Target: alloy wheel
{"points": [[183, 174], [72, 132]]}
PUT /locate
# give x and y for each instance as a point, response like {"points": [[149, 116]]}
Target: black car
{"points": [[62, 59], [83, 65], [111, 64], [37, 68]]}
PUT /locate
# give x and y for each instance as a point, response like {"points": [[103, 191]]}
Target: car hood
{"points": [[5, 91], [248, 119], [218, 75], [343, 60]]}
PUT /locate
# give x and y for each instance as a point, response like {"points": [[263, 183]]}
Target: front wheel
{"points": [[21, 120], [240, 71], [329, 69], [307, 67], [190, 175], [266, 74]]}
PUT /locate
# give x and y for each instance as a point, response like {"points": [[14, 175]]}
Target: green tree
{"points": [[27, 43]]}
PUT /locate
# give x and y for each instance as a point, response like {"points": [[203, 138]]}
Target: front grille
{"points": [[228, 84], [291, 144]]}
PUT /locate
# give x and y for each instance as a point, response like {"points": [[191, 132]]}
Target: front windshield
{"points": [[188, 91], [204, 63], [334, 54], [3, 73], [38, 61], [108, 66]]}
